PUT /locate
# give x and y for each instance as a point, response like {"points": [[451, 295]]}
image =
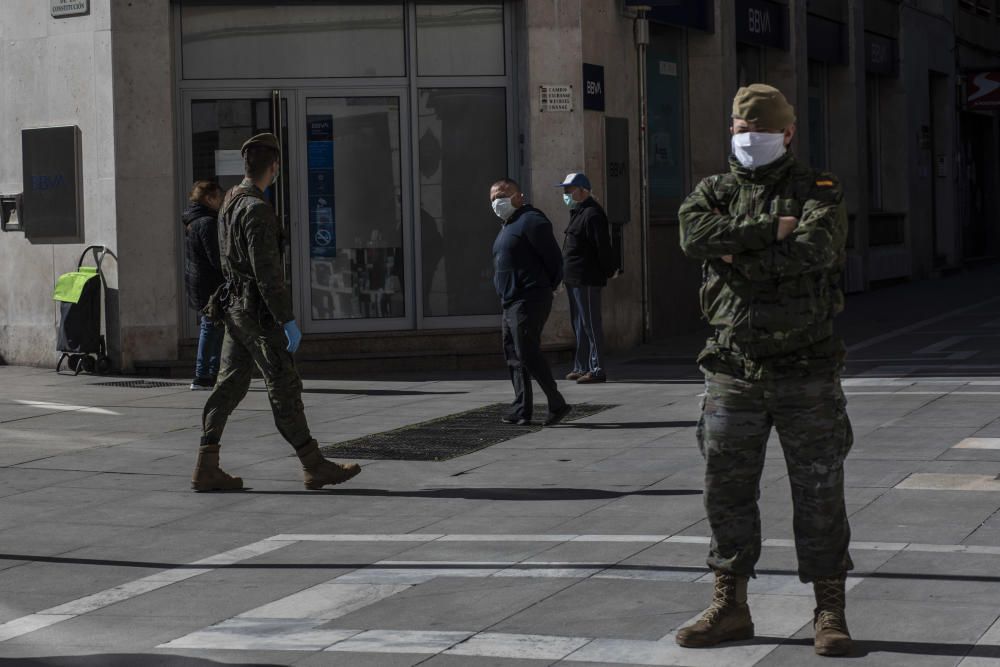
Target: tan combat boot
{"points": [[727, 619], [318, 471], [208, 476], [829, 619]]}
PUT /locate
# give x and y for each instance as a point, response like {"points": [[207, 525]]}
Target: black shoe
{"points": [[554, 418], [515, 420]]}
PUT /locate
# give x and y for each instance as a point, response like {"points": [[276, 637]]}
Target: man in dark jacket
{"points": [[588, 262], [203, 275], [528, 269]]}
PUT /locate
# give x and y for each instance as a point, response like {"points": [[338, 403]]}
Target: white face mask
{"points": [[756, 149], [503, 207]]}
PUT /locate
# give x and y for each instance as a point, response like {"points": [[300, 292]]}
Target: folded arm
{"points": [[706, 233]]}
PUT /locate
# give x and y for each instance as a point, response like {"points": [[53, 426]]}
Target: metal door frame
{"points": [[304, 269], [189, 322]]}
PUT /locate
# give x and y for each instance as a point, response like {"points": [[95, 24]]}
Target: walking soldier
{"points": [[771, 234], [260, 327]]}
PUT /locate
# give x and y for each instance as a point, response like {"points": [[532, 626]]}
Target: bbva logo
{"points": [[47, 181]]}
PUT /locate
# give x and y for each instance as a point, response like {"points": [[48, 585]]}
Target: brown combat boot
{"points": [[318, 471], [727, 619], [829, 619], [208, 476]]}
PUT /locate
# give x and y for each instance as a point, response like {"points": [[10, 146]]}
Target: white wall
{"points": [[52, 72]]}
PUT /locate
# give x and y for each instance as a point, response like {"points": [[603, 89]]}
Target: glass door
{"points": [[217, 123], [355, 249]]}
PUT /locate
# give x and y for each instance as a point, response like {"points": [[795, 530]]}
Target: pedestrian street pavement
{"points": [[582, 544]]}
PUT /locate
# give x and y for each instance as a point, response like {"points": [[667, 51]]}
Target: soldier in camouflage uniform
{"points": [[261, 331], [771, 234]]}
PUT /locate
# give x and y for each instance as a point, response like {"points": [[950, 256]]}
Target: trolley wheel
{"points": [[62, 358], [103, 365], [88, 363]]}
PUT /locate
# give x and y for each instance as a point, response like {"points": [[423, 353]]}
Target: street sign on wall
{"points": [[63, 8], [982, 90], [555, 97]]}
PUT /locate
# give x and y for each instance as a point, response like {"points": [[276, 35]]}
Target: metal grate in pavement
{"points": [[138, 384], [447, 437]]}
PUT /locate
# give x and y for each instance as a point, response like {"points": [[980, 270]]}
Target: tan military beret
{"points": [[265, 139], [764, 106]]}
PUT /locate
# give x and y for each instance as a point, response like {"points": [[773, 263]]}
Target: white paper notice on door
{"points": [[228, 163]]}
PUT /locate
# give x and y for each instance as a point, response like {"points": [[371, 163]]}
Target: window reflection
{"points": [[460, 38], [462, 151], [228, 40]]}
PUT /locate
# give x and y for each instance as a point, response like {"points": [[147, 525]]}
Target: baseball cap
{"points": [[578, 179]]}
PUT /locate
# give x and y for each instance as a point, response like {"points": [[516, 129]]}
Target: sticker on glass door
{"points": [[355, 218]]}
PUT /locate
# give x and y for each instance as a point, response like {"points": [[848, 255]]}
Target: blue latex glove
{"points": [[293, 335]]}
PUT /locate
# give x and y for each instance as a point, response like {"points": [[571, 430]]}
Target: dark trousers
{"points": [[815, 434], [585, 314], [522, 326]]}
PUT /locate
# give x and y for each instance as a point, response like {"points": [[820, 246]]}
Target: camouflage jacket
{"points": [[776, 298], [250, 252]]}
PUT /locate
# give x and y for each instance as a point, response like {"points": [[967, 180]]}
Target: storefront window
{"points": [[355, 217], [818, 114], [315, 40], [462, 138], [460, 38]]}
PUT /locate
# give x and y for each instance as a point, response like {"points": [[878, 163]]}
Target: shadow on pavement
{"points": [[372, 392], [487, 493], [121, 660], [870, 647], [606, 568], [629, 425]]}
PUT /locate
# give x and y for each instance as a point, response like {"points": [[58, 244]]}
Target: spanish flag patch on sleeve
{"points": [[825, 184]]}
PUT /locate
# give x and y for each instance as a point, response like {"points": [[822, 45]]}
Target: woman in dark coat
{"points": [[203, 274]]}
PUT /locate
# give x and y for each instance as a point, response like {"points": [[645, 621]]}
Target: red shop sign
{"points": [[982, 90]]}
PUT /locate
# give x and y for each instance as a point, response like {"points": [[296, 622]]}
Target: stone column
{"points": [[145, 181]]}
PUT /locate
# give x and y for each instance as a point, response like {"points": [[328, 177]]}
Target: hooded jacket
{"points": [[202, 270]]}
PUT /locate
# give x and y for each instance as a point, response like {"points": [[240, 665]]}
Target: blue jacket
{"points": [[527, 261]]}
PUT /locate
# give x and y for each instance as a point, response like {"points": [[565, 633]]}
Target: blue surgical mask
{"points": [[504, 208], [757, 149], [569, 201]]}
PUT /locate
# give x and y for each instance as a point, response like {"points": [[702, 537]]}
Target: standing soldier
{"points": [[771, 235], [260, 327]]}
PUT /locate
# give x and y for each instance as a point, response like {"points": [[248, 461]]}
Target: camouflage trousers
{"points": [[248, 344], [815, 434]]}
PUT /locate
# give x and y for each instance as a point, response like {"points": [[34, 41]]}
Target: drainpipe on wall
{"points": [[641, 42]]}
